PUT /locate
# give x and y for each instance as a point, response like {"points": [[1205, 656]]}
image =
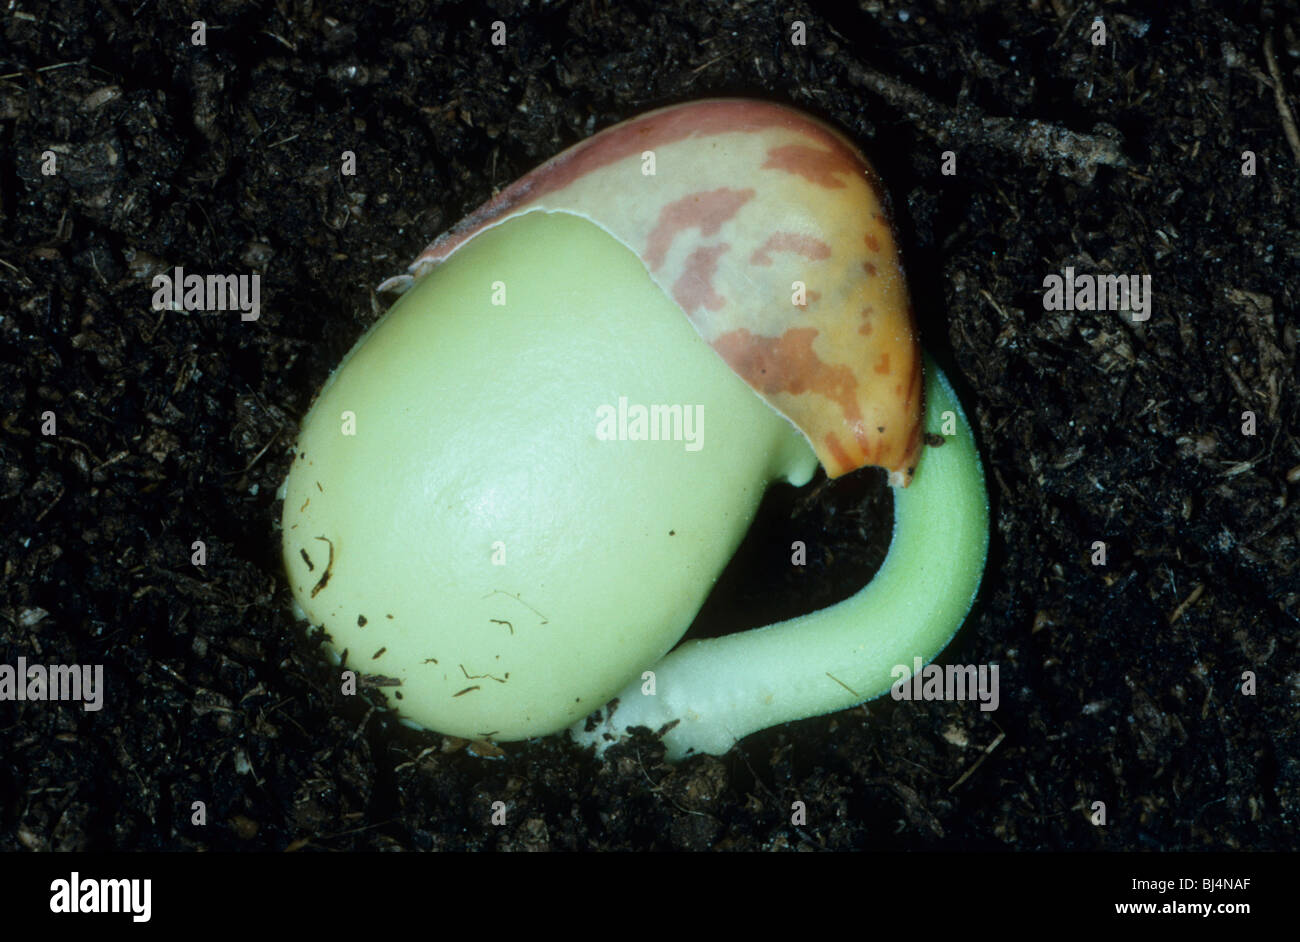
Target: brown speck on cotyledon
{"points": [[469, 676], [329, 568]]}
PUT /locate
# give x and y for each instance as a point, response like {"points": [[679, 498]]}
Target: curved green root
{"points": [[709, 694]]}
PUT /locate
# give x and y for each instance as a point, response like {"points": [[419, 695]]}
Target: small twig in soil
{"points": [[44, 68], [978, 762], [1069, 153], [700, 68], [257, 457], [1279, 96], [1187, 603], [50, 506], [15, 269]]}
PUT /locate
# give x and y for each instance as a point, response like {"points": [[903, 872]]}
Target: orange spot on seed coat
{"points": [[819, 167], [815, 249], [704, 211], [694, 289], [788, 364]]}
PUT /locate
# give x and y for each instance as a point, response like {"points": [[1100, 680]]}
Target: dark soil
{"points": [[1120, 683]]}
